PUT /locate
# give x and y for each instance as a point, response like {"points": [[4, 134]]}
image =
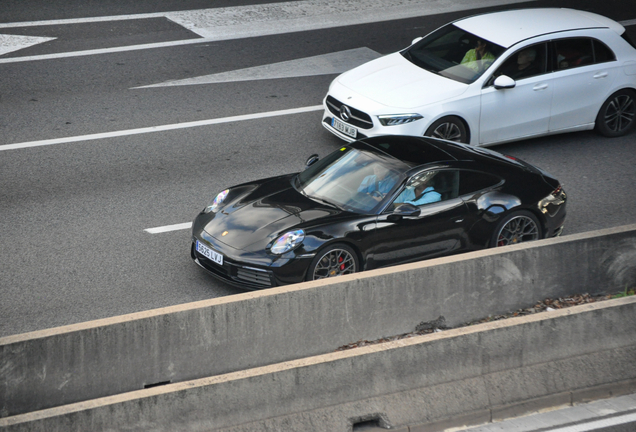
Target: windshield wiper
{"points": [[329, 203]]}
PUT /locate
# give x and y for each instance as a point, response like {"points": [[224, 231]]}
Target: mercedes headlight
{"points": [[217, 202], [398, 119], [288, 241]]}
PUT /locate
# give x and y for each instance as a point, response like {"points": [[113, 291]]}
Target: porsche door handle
{"points": [[600, 75], [540, 87]]}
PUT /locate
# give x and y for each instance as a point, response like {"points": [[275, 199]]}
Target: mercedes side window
{"points": [[573, 53], [524, 63], [474, 181], [602, 53]]}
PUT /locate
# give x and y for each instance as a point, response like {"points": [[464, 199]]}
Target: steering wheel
{"points": [[376, 193]]}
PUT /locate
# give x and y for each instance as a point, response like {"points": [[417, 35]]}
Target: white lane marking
{"points": [[9, 43], [238, 22], [101, 51], [333, 63], [82, 20], [160, 128], [168, 228]]}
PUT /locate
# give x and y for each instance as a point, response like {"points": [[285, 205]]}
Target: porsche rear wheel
{"points": [[336, 260], [518, 227]]}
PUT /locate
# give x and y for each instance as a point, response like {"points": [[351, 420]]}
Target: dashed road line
{"points": [[162, 128], [169, 228]]}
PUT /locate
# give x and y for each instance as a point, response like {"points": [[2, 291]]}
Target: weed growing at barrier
{"points": [[625, 293], [542, 306]]}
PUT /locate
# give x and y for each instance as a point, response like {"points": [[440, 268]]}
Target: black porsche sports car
{"points": [[374, 203]]}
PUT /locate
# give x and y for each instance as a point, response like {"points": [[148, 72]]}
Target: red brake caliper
{"points": [[342, 266]]}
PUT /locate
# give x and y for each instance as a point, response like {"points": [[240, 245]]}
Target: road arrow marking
{"points": [[237, 22], [326, 64], [10, 43], [286, 17]]}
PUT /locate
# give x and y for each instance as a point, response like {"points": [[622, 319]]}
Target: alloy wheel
{"points": [[516, 230], [336, 262], [620, 113], [448, 131]]}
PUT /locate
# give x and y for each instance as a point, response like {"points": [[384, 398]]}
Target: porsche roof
{"points": [[415, 151], [509, 27]]}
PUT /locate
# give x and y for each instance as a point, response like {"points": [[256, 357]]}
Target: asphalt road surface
{"points": [[101, 141]]}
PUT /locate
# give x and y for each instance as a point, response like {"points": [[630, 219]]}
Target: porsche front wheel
{"points": [[336, 260]]}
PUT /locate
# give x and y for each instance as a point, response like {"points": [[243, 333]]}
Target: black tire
{"points": [[449, 128], [335, 260], [617, 115], [518, 227]]}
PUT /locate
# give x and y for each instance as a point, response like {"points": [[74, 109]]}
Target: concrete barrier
{"points": [[462, 376], [61, 366]]}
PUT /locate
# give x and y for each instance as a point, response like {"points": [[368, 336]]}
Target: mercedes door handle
{"points": [[540, 87], [600, 75]]}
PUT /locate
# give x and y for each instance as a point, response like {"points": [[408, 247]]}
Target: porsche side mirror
{"points": [[311, 160], [402, 210], [504, 82]]}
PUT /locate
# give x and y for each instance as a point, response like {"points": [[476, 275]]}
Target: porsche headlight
{"points": [[398, 119], [217, 202], [288, 241]]}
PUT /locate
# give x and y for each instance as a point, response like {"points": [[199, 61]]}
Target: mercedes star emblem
{"points": [[345, 113]]}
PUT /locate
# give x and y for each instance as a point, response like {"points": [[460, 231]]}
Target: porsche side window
{"points": [[429, 187], [473, 181]]}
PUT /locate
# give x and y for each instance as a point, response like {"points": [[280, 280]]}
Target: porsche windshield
{"points": [[356, 180], [453, 53]]}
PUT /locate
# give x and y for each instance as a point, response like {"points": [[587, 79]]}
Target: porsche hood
{"points": [[269, 210]]}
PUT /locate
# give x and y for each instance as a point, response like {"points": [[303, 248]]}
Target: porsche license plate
{"points": [[209, 253], [344, 128]]}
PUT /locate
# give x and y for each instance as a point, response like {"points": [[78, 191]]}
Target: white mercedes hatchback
{"points": [[494, 78]]}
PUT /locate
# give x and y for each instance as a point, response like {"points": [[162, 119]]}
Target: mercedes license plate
{"points": [[209, 253], [344, 128]]}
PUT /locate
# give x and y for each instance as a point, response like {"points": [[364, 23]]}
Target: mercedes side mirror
{"points": [[504, 82]]}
